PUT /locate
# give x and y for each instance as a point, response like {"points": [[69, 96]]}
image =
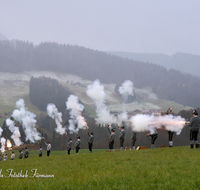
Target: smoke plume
{"points": [[141, 123], [96, 92], [122, 117], [15, 131], [77, 121], [27, 119], [52, 112], [126, 89], [3, 142], [1, 130]]}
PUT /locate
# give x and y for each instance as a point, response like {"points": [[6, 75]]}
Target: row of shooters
{"points": [[194, 125]]}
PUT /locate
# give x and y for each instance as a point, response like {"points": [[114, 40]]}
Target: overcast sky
{"points": [[141, 26]]}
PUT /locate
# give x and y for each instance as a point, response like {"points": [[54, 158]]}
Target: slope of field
{"points": [[168, 168], [16, 85]]}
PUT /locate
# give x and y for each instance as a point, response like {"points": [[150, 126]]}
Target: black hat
{"points": [[122, 127], [91, 133], [113, 130], [78, 137], [195, 112], [70, 138]]}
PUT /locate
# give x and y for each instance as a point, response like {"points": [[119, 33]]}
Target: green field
{"points": [[167, 168]]}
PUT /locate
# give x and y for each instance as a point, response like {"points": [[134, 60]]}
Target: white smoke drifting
{"points": [[15, 131], [126, 89], [96, 92], [77, 119], [122, 117], [3, 142], [27, 119], [1, 130], [52, 112], [141, 122]]}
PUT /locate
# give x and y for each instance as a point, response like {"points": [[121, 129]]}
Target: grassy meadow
{"points": [[167, 168]]}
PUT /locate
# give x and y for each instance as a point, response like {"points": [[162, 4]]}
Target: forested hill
{"points": [[185, 62], [17, 56]]}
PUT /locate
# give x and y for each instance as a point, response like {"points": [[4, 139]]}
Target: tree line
{"points": [[17, 56]]}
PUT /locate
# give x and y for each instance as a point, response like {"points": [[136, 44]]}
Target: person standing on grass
{"points": [[133, 139], [78, 144], [121, 137], [40, 152], [194, 125], [69, 145], [26, 153], [48, 147], [154, 135], [91, 140], [12, 156], [5, 157], [170, 133], [111, 138], [20, 154]]}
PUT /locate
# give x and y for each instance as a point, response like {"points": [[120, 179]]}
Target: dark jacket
{"points": [[20, 155], [194, 123], [26, 153], [91, 139], [133, 135], [69, 145], [78, 143], [122, 134], [112, 136]]}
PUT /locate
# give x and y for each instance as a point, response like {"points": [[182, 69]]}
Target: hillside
{"points": [[16, 85], [184, 62], [17, 56]]}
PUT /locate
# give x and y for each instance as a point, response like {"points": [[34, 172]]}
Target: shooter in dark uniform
{"points": [[20, 154], [154, 135], [78, 143], [170, 133], [69, 145], [194, 130], [40, 152], [133, 139], [91, 140], [111, 138], [26, 153], [121, 137]]}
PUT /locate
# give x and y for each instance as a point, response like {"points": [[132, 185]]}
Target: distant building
{"points": [[79, 84]]}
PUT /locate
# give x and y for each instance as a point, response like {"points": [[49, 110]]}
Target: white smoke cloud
{"points": [[52, 112], [15, 131], [75, 108], [27, 119], [96, 92], [141, 123], [3, 143], [126, 89], [122, 117], [1, 130]]}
